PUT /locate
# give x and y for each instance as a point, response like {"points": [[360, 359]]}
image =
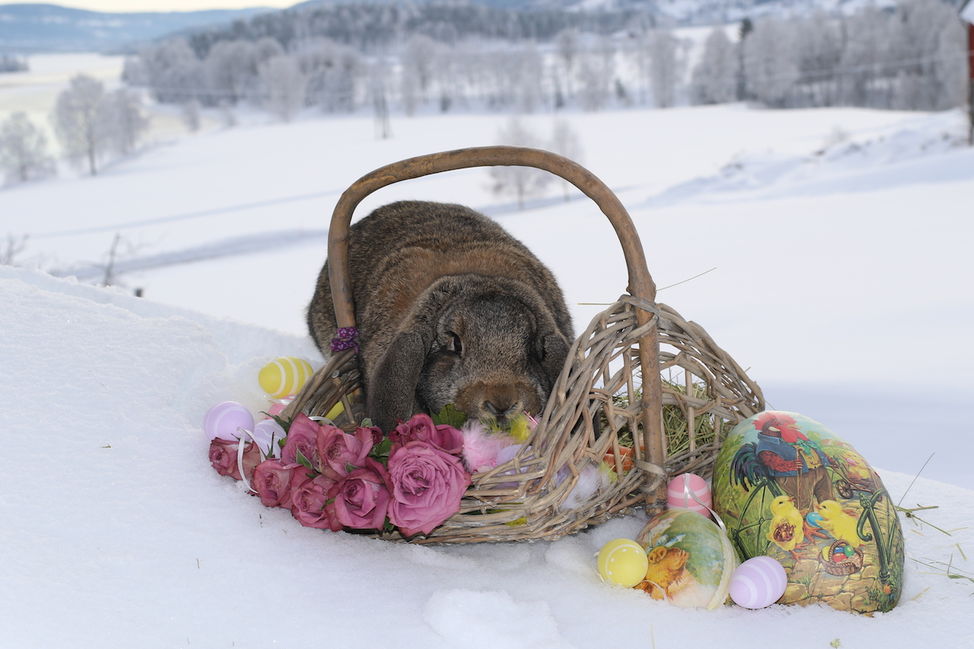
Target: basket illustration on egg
{"points": [[851, 564], [604, 408]]}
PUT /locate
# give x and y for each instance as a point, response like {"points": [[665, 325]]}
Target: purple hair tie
{"points": [[346, 338]]}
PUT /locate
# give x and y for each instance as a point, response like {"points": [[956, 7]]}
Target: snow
{"points": [[967, 12], [839, 240], [119, 533]]}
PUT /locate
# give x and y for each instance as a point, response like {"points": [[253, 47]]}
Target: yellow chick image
{"points": [[838, 523], [786, 529]]}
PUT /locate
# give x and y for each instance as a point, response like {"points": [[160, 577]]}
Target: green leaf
{"points": [[366, 423], [283, 423], [381, 450], [302, 460], [450, 416]]}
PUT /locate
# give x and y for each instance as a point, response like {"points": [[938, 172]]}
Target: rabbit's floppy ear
{"points": [[392, 388], [555, 351]]}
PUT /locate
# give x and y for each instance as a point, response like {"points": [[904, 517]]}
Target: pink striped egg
{"points": [[223, 420], [685, 490], [758, 582]]}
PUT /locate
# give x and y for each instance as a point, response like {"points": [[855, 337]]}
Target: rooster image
{"points": [[784, 460]]}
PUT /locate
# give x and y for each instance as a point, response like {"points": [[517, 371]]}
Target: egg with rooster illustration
{"points": [[788, 488]]}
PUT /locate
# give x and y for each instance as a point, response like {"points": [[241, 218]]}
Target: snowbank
{"points": [[117, 533]]}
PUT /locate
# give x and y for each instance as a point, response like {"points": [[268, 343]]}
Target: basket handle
{"points": [[641, 284]]}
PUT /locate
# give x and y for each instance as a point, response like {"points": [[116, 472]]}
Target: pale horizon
{"points": [[137, 6]]}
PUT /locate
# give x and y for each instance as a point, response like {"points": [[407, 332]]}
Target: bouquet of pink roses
{"points": [[411, 479]]}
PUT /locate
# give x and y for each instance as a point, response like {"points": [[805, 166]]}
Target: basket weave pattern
{"points": [[598, 405]]}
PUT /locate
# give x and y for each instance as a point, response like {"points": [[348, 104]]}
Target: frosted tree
{"points": [[715, 78], [819, 41], [565, 141], [522, 182], [418, 59], [770, 62], [596, 69], [190, 115], [663, 67], [284, 86], [379, 97], [79, 122], [929, 44], [231, 70], [122, 120], [524, 70], [568, 46], [333, 71], [863, 60], [23, 150], [173, 72]]}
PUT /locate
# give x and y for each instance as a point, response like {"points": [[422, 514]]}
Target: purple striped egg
{"points": [[223, 420], [758, 582]]}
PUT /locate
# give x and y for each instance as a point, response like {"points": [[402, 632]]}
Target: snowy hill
{"points": [[839, 239], [52, 28], [117, 533]]}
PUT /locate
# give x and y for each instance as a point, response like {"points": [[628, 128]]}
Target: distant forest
{"points": [[423, 58]]}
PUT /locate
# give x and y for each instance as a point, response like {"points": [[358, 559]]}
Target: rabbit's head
{"points": [[488, 346]]}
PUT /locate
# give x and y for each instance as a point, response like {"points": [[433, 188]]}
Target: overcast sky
{"points": [[169, 5]]}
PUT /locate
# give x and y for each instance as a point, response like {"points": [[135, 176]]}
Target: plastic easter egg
{"points": [[689, 491], [266, 434], [284, 376], [788, 488], [622, 562], [690, 559], [758, 582], [224, 419]]}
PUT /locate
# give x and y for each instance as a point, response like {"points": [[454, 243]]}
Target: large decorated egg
{"points": [[690, 560], [788, 488]]}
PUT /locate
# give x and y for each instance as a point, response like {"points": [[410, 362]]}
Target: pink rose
{"points": [[301, 436], [309, 503], [422, 429], [427, 485], [377, 434], [340, 452], [362, 497], [223, 457], [272, 482]]}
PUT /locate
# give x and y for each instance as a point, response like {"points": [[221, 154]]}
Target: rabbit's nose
{"points": [[500, 410]]}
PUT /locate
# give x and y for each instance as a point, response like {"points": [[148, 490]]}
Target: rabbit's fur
{"points": [[450, 310]]}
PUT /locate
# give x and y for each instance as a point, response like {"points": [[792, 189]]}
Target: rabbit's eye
{"points": [[453, 343]]}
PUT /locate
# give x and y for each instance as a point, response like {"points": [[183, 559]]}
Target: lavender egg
{"points": [[223, 420], [758, 582], [267, 433]]}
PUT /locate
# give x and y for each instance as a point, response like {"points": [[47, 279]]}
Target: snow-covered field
{"points": [[840, 246]]}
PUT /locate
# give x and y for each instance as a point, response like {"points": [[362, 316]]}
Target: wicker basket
{"points": [[601, 402]]}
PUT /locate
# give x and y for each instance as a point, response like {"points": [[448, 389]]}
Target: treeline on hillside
{"points": [[371, 28], [344, 59]]}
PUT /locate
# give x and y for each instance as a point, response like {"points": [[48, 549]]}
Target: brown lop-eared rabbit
{"points": [[450, 310]]}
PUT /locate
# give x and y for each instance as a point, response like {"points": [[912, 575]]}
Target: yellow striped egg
{"points": [[284, 376], [623, 562]]}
